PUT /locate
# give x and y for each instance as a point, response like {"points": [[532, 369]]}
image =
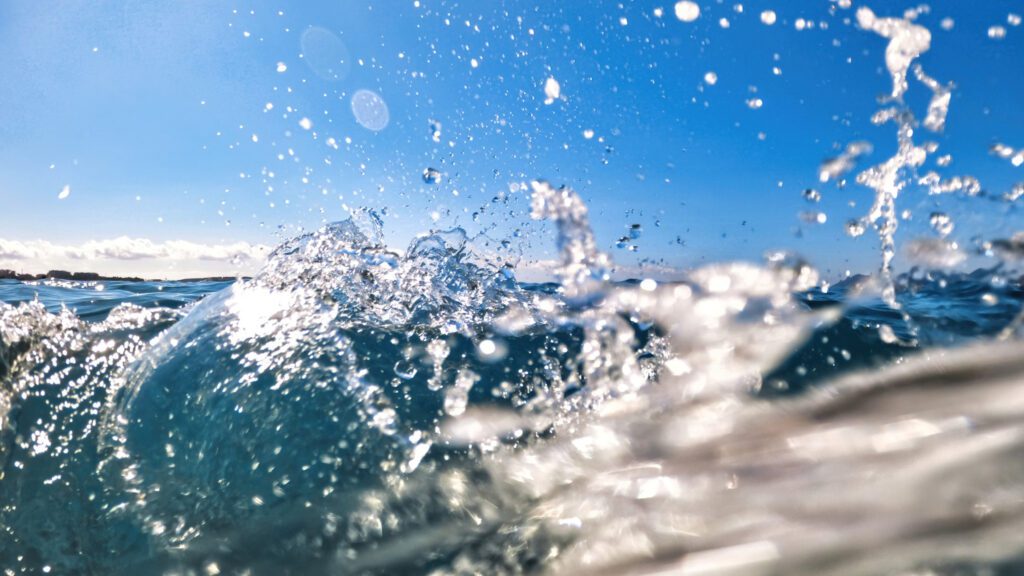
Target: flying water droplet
{"points": [[552, 90], [64, 192], [431, 176], [635, 231], [687, 11], [435, 130], [854, 228], [812, 217], [768, 17], [833, 168], [941, 223]]}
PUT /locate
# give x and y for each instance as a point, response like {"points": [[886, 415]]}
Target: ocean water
{"points": [[355, 410]]}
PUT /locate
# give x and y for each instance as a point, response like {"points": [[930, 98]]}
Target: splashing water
{"points": [[355, 409]]}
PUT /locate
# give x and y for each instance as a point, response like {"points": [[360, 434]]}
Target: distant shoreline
{"points": [[94, 277]]}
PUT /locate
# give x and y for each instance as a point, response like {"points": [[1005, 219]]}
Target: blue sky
{"points": [[147, 111]]}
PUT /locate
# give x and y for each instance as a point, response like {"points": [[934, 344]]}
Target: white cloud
{"points": [[133, 256]]}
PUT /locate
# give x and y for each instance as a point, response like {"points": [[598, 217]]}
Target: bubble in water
{"points": [[854, 228], [490, 350], [768, 17], [941, 223], [710, 78], [431, 176], [405, 369], [552, 90], [812, 195], [325, 54], [370, 110], [457, 397], [687, 11], [64, 192], [435, 130], [996, 32]]}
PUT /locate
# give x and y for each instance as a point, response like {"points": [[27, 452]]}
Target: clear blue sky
{"points": [[147, 111]]}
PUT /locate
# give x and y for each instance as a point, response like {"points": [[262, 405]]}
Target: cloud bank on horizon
{"points": [[126, 256]]}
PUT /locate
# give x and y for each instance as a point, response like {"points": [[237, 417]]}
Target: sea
{"points": [[356, 410]]}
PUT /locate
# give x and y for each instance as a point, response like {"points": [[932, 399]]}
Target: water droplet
{"points": [[941, 223], [635, 231], [996, 32], [755, 103], [552, 90], [813, 217], [687, 11], [768, 17], [588, 134], [854, 228], [306, 123], [812, 195], [431, 176], [282, 67], [64, 192], [710, 78]]}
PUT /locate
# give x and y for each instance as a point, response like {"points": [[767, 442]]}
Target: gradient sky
{"points": [[155, 116]]}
